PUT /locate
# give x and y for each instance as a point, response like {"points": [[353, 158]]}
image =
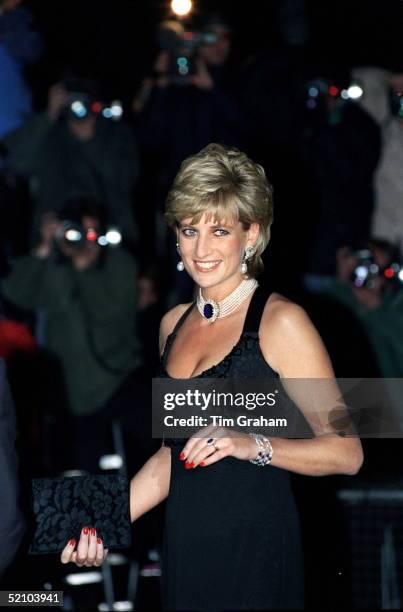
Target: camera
{"points": [[182, 44], [367, 271], [81, 105], [317, 90], [75, 235]]}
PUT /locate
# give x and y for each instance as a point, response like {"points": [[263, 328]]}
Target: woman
{"points": [[232, 534]]}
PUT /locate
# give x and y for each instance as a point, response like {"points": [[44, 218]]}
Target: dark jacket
{"points": [[88, 321], [180, 120], [60, 166], [341, 158]]}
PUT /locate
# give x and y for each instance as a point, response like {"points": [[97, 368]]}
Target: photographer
{"points": [[368, 285], [340, 149], [206, 50], [184, 106], [85, 299], [365, 304], [71, 150]]}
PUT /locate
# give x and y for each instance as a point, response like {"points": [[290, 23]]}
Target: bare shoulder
{"points": [[168, 322], [290, 342], [280, 313]]}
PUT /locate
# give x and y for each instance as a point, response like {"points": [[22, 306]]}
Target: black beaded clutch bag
{"points": [[63, 506]]}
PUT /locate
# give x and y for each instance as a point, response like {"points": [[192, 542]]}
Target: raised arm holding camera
{"points": [[78, 146], [189, 99]]}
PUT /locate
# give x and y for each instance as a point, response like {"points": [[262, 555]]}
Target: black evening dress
{"points": [[232, 537]]}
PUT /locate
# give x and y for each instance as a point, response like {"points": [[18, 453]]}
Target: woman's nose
{"points": [[203, 248]]}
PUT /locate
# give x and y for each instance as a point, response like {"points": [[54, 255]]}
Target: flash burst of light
{"points": [[181, 7]]}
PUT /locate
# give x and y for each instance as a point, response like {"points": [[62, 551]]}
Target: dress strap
{"points": [[171, 336], [255, 311], [181, 319]]}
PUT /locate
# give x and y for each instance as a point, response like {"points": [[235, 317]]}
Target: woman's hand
{"points": [[199, 451], [90, 550]]}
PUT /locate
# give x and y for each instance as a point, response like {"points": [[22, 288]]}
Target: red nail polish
{"points": [[202, 464], [93, 532], [182, 456], [99, 541], [72, 542], [85, 531], [189, 465]]}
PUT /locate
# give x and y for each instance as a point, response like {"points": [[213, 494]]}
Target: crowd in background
{"points": [[88, 267]]}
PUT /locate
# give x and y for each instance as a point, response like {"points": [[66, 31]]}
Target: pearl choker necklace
{"points": [[212, 310]]}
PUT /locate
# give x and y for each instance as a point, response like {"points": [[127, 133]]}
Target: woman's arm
{"points": [[150, 485], [293, 348], [148, 488], [321, 456]]}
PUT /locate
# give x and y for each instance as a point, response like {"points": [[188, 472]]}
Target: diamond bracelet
{"points": [[265, 450]]}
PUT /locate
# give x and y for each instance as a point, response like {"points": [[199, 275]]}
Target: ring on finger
{"points": [[211, 442], [214, 445]]}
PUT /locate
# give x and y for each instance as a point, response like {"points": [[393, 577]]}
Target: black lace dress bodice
{"points": [[231, 539]]}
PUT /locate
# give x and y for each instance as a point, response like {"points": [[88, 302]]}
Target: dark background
{"points": [[116, 41]]}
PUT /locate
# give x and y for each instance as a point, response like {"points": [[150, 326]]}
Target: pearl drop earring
{"points": [[180, 266], [249, 251]]}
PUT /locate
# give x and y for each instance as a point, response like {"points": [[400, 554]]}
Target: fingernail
{"points": [[182, 456], [85, 531], [72, 542], [202, 464], [93, 532], [99, 541], [189, 465]]}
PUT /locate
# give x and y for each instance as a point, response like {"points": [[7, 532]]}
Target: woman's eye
{"points": [[188, 231], [221, 232]]}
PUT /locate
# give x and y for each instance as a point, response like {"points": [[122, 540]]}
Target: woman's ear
{"points": [[253, 234]]}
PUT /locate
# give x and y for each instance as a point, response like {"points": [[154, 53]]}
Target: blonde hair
{"points": [[225, 184]]}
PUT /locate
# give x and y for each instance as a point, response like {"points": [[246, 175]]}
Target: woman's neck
{"points": [[221, 291]]}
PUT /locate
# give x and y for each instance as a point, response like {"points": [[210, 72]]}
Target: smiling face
{"points": [[212, 252]]}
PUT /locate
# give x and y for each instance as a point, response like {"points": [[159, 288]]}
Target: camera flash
{"points": [[181, 7]]}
